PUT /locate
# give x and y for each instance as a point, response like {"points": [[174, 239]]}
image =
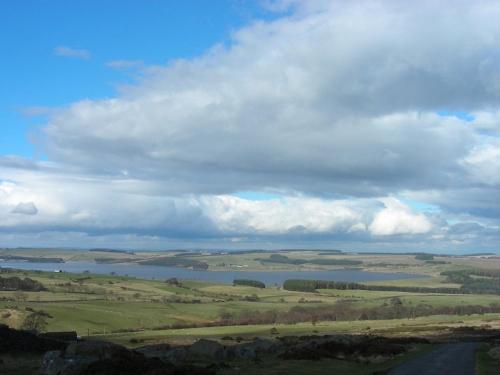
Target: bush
{"points": [[246, 282], [34, 322], [173, 281], [424, 257]]}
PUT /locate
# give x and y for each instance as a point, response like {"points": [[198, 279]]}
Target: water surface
{"points": [[160, 272]]}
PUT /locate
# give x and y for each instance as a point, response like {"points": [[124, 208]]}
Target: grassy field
{"points": [[247, 261], [99, 303], [121, 308], [136, 312], [432, 325]]}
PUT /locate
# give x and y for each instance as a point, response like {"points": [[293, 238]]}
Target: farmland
{"points": [[135, 312]]}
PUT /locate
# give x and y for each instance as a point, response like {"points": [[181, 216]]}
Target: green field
{"points": [[121, 308]]}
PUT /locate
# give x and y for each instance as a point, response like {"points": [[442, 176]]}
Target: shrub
{"points": [[424, 257], [246, 282], [34, 322]]}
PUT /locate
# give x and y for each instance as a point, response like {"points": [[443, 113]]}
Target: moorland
{"points": [[455, 296]]}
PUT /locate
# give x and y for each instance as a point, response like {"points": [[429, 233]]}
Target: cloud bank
{"points": [[337, 107]]}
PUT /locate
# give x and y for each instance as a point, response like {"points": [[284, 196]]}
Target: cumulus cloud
{"points": [[76, 53], [334, 105], [396, 218], [285, 215], [337, 96]]}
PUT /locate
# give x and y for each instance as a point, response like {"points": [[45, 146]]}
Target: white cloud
{"points": [[333, 105], [196, 216], [282, 216], [76, 53], [340, 99], [396, 218], [483, 163], [124, 64]]}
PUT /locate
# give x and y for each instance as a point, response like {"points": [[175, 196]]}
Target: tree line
{"points": [[278, 258], [16, 283], [311, 286], [176, 262], [247, 282], [486, 281], [344, 311]]}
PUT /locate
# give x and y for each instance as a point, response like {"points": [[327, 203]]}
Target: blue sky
{"points": [[152, 31], [332, 123]]}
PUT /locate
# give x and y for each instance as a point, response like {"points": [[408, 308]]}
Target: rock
{"points": [[53, 363], [252, 349], [176, 355], [240, 352], [164, 352], [102, 358], [95, 350], [355, 348], [154, 351], [207, 349]]}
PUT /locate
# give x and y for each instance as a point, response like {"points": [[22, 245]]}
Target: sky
{"points": [[367, 125]]}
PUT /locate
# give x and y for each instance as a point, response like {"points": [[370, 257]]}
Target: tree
{"points": [[35, 322], [246, 282], [396, 301]]}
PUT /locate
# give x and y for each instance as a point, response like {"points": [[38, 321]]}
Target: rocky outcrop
{"points": [[210, 351], [358, 348], [102, 358], [252, 350], [99, 358], [207, 349], [165, 352]]}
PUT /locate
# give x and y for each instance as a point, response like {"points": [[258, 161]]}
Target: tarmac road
{"points": [[448, 359]]}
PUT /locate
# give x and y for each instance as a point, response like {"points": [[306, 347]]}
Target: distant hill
{"points": [[111, 251]]}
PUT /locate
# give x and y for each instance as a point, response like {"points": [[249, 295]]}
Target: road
{"points": [[448, 359]]}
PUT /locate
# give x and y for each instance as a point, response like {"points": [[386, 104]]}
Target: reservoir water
{"points": [[160, 272]]}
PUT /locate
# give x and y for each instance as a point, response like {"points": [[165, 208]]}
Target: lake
{"points": [[160, 272]]}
